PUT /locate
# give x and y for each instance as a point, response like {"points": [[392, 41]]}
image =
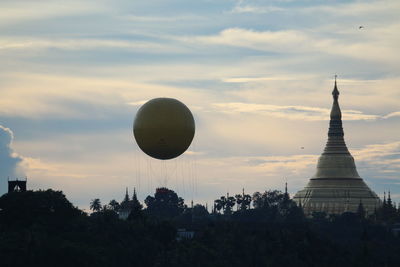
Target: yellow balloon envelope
{"points": [[164, 128]]}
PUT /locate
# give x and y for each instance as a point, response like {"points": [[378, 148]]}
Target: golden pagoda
{"points": [[336, 187]]}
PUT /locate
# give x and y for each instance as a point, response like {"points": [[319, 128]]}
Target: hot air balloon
{"points": [[164, 128]]}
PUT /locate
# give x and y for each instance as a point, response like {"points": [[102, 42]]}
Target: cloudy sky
{"points": [[257, 76]]}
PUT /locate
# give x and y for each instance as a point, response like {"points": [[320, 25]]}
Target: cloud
{"points": [[379, 161], [22, 11], [195, 153], [89, 44], [163, 19], [137, 103], [380, 153], [9, 160], [63, 96], [252, 173], [389, 7], [290, 112], [371, 47], [348, 9], [391, 115], [263, 79], [247, 8], [277, 41]]}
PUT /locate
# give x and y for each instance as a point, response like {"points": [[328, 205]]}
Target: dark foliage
{"points": [[165, 203], [44, 229]]}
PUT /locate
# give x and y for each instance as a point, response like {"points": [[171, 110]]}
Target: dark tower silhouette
{"points": [[16, 186]]}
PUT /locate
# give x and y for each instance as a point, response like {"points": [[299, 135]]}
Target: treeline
{"points": [[42, 228], [269, 205]]}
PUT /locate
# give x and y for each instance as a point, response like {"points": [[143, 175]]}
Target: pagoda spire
{"points": [[134, 203], [134, 197], [126, 199], [286, 188], [335, 142], [286, 195], [389, 199], [335, 91], [336, 160], [384, 198], [126, 195]]}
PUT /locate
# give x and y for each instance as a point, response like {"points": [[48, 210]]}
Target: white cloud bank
{"points": [[295, 112], [376, 45], [9, 160]]}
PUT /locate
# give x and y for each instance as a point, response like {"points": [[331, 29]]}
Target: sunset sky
{"points": [[257, 75]]}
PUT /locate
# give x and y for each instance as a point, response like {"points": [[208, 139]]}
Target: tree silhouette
{"points": [[199, 210], [243, 201], [246, 202], [220, 204], [95, 205], [230, 202], [270, 198], [165, 203], [114, 205], [225, 203], [239, 200]]}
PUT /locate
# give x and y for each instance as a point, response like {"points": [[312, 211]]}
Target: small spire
{"points": [[243, 191], [335, 132], [335, 91], [286, 195], [126, 198]]}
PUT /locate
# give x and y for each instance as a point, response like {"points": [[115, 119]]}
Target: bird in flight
{"points": [[361, 27]]}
